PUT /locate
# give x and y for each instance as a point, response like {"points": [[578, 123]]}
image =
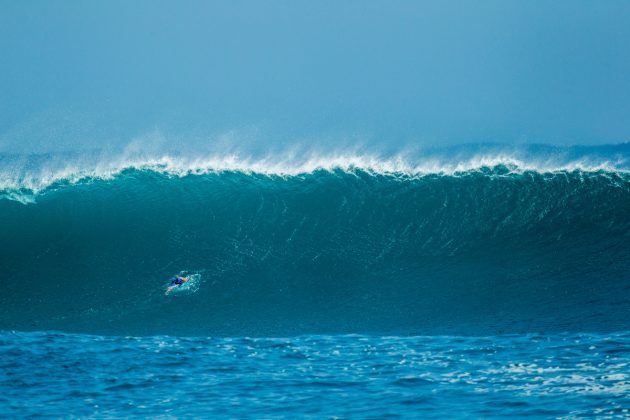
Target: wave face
{"points": [[483, 251]]}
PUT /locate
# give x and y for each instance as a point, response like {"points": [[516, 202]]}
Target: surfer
{"points": [[176, 281]]}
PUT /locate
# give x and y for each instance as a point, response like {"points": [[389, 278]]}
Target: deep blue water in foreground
{"points": [[560, 375]]}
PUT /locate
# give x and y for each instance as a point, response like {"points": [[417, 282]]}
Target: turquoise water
{"points": [[560, 375], [491, 287], [483, 252]]}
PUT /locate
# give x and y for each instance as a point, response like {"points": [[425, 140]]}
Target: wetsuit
{"points": [[177, 281]]}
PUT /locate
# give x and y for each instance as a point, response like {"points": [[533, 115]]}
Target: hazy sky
{"points": [[87, 72]]}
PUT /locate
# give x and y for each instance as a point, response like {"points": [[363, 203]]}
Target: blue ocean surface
{"points": [[473, 285], [320, 376]]}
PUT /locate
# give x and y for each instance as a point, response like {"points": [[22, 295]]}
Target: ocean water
{"points": [[343, 376], [484, 285]]}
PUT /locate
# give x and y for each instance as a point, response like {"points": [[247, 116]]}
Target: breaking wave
{"points": [[347, 245]]}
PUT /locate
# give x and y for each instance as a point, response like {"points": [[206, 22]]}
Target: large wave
{"points": [[493, 248]]}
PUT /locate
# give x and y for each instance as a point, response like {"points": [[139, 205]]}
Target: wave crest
{"points": [[24, 177]]}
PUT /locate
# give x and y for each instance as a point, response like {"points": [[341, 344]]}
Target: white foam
{"points": [[17, 176]]}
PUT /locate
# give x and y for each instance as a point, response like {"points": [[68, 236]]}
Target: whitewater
{"points": [[33, 173]]}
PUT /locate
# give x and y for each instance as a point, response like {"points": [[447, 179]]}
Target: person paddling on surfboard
{"points": [[176, 281]]}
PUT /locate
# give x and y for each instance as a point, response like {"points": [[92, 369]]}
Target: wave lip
{"points": [[24, 178]]}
